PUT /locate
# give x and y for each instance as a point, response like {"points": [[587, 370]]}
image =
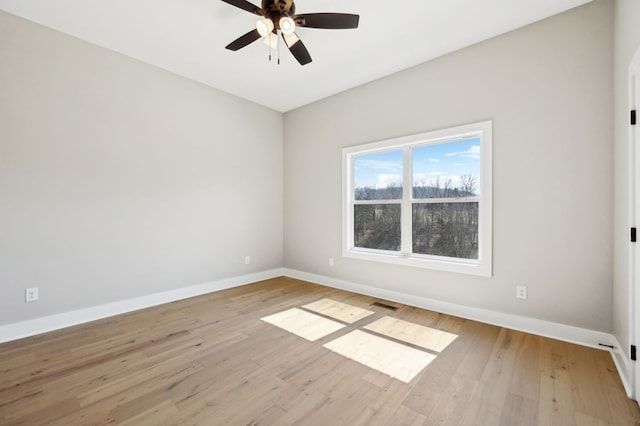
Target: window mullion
{"points": [[363, 202], [406, 232]]}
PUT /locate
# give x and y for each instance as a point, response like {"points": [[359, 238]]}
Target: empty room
{"points": [[227, 212]]}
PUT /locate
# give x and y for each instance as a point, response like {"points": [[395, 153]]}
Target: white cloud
{"points": [[472, 152], [434, 160], [379, 165], [384, 180]]}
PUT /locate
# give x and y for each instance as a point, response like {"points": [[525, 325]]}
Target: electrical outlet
{"points": [[331, 262], [521, 292], [247, 260], [31, 294]]}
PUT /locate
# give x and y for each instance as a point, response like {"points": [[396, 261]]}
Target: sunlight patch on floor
{"points": [[401, 358], [394, 359], [338, 310], [425, 337], [304, 324]]}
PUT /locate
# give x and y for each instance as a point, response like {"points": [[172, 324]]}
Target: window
{"points": [[421, 200]]}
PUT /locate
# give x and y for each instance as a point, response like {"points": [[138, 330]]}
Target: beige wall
{"points": [[118, 179], [548, 89], [627, 41]]}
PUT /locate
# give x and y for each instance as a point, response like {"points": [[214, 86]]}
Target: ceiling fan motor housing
{"points": [[278, 8]]}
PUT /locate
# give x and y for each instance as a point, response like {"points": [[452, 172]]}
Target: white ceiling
{"points": [[188, 38]]}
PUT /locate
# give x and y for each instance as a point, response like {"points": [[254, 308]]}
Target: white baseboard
{"points": [[624, 367], [567, 333], [40, 325]]}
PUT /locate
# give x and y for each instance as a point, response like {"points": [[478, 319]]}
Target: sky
{"points": [[430, 162]]}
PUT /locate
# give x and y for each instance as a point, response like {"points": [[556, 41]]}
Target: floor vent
{"points": [[385, 305]]}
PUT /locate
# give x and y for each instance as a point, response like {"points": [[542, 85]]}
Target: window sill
{"points": [[470, 267]]}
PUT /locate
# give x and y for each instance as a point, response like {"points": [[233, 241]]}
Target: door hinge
{"points": [[633, 235], [633, 117], [633, 352]]}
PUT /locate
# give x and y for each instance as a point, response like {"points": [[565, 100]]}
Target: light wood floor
{"points": [[210, 360]]}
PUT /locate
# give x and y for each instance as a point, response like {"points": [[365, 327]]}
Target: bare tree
{"points": [[439, 228], [468, 184]]}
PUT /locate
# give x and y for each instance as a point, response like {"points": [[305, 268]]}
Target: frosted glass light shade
{"points": [[264, 27], [271, 40], [287, 25]]}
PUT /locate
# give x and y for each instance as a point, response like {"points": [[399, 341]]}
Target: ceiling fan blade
{"points": [[297, 48], [245, 5], [329, 21], [244, 40]]}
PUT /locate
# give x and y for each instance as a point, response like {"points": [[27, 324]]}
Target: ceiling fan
{"points": [[280, 15]]}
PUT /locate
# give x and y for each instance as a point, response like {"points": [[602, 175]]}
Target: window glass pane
{"points": [[446, 229], [447, 170], [377, 226], [378, 176]]}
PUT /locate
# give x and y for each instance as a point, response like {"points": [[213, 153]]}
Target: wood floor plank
{"points": [[313, 370], [376, 378], [117, 370], [622, 409], [418, 316], [17, 394], [385, 404], [408, 417], [527, 371], [589, 397], [143, 390], [76, 382], [423, 400], [211, 360], [269, 415], [355, 410], [519, 411], [452, 404], [183, 390], [155, 415], [297, 404], [587, 420], [42, 415], [88, 416], [132, 408], [439, 373], [15, 358], [483, 338], [488, 399], [556, 405], [230, 406], [35, 372]]}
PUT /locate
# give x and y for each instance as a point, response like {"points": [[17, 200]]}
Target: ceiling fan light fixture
{"points": [[271, 40], [264, 27], [287, 25]]}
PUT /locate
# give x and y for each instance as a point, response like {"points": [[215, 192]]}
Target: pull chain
{"points": [[278, 41]]}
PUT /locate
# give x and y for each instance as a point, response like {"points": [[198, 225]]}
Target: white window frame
{"points": [[481, 266]]}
